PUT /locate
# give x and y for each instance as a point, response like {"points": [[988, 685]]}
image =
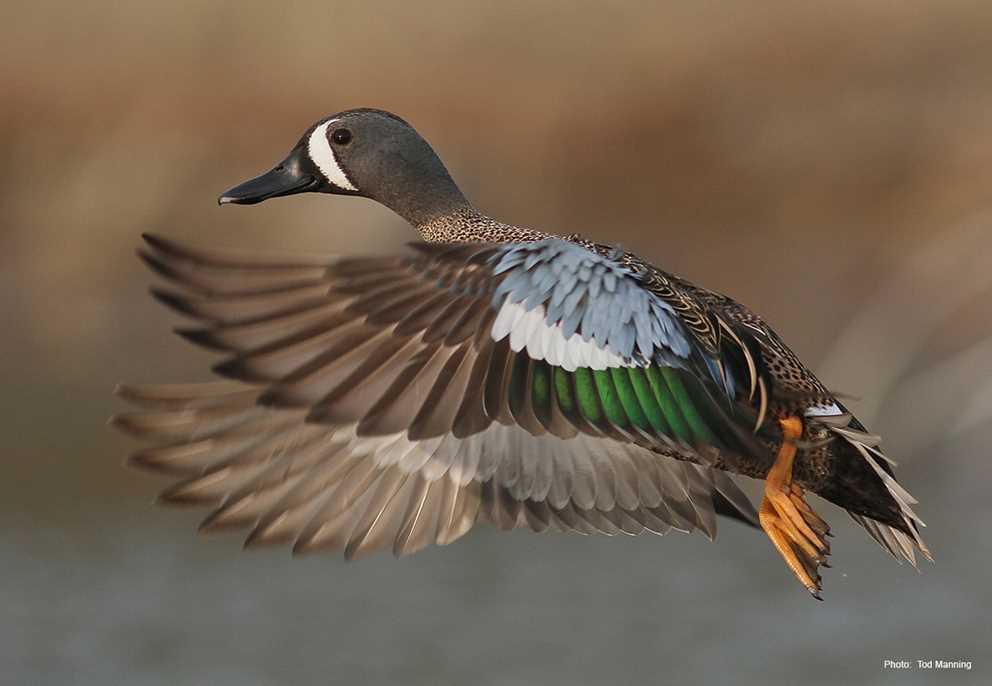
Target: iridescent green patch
{"points": [[609, 398], [646, 399], [563, 389], [668, 406], [585, 391], [541, 386], [628, 397], [698, 427]]}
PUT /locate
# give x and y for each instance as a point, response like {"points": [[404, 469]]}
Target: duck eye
{"points": [[341, 136]]}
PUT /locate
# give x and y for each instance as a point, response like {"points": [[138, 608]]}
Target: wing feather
{"points": [[391, 402]]}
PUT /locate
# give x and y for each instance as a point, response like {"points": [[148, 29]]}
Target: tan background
{"points": [[829, 165]]}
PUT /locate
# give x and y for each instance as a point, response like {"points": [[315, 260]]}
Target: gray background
{"points": [[829, 166]]}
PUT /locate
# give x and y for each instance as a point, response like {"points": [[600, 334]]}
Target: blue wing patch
{"points": [[598, 298]]}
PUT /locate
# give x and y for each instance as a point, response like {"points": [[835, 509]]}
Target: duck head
{"points": [[364, 152]]}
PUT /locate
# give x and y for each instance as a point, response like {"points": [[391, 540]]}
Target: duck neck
{"points": [[413, 209], [421, 190]]}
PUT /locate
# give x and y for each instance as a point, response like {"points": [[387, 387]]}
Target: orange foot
{"points": [[798, 533]]}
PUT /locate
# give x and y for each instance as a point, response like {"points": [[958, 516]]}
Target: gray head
{"points": [[364, 152]]}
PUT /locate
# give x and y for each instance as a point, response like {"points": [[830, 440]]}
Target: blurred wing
{"points": [[392, 401]]}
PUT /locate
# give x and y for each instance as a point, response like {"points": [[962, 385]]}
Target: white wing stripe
{"points": [[531, 332]]}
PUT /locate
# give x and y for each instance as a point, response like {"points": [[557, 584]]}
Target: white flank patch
{"points": [[320, 151], [530, 331], [823, 410]]}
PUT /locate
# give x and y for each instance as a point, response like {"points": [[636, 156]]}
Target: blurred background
{"points": [[827, 164]]}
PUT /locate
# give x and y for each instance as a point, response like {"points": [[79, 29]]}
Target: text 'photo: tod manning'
{"points": [[933, 664]]}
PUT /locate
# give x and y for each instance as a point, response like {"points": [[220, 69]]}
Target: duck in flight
{"points": [[490, 373]]}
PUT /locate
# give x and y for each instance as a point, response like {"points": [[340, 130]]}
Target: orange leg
{"points": [[796, 531]]}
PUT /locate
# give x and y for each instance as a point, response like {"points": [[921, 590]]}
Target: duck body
{"points": [[493, 372], [833, 469]]}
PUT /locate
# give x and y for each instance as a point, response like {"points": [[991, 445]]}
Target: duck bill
{"points": [[289, 177]]}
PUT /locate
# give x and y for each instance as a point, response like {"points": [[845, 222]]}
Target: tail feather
{"points": [[901, 544]]}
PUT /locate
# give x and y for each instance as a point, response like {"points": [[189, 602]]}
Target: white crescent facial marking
{"points": [[320, 151], [530, 331]]}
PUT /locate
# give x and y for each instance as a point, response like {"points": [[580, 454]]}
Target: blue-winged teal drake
{"points": [[492, 372]]}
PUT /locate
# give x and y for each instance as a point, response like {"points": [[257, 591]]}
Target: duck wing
{"points": [[395, 401]]}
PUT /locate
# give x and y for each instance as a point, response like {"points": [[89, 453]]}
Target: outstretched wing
{"points": [[394, 401]]}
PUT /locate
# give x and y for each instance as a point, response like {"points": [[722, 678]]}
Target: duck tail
{"points": [[902, 542]]}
